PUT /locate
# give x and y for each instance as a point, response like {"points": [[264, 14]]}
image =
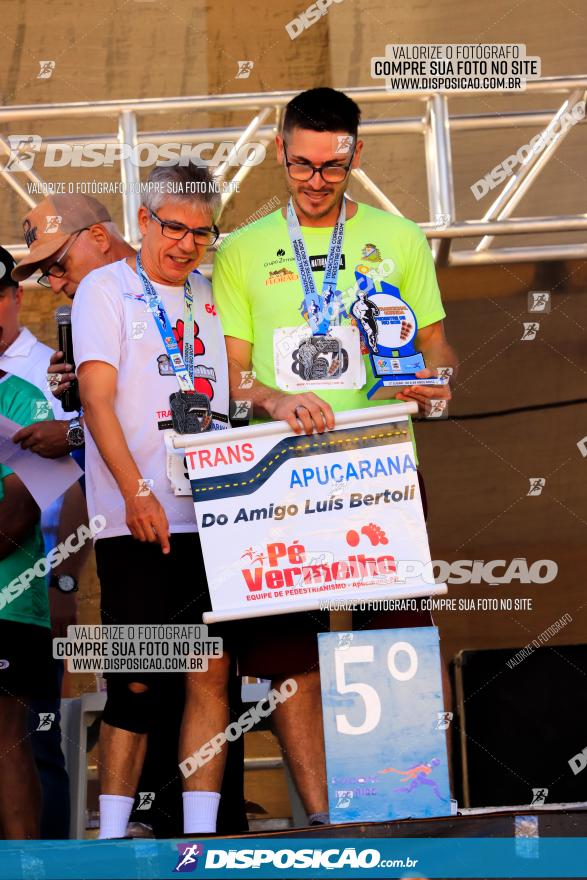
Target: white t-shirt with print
{"points": [[111, 323]]}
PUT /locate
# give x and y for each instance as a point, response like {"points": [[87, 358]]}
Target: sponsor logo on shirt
{"points": [[279, 262], [203, 375], [203, 372], [281, 275], [318, 262], [372, 253], [165, 422]]}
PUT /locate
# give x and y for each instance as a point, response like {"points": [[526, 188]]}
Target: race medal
{"points": [[320, 357], [190, 411], [305, 362], [388, 328], [323, 354]]}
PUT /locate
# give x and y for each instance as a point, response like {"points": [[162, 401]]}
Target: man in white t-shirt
{"points": [[127, 329]]}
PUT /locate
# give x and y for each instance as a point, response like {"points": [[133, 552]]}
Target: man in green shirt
{"points": [[25, 630], [263, 292]]}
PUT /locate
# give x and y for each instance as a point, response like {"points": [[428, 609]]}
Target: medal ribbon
{"points": [[183, 368], [318, 319]]}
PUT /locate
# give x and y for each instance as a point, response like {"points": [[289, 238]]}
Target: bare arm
{"points": [[303, 412], [432, 343], [145, 517], [18, 515]]}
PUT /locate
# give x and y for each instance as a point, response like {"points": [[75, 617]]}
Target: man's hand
{"points": [[423, 394], [303, 412], [64, 371], [48, 439], [63, 609], [147, 521]]}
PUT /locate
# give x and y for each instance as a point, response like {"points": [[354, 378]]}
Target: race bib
{"points": [[304, 362]]}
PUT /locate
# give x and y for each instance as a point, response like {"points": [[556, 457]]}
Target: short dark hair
{"points": [[322, 109]]}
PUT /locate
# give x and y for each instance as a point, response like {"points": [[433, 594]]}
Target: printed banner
{"points": [[384, 727], [290, 522], [288, 857]]}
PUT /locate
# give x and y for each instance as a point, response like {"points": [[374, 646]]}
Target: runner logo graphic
{"points": [[343, 799], [46, 69], [145, 487], [344, 641], [146, 799], [537, 484], [438, 409], [244, 69], [53, 222], [247, 379], [188, 856], [46, 719], [240, 410], [22, 159], [444, 719], [539, 301], [530, 331], [344, 143]]}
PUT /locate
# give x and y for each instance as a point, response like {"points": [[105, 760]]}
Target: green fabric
{"points": [[251, 309], [18, 401]]}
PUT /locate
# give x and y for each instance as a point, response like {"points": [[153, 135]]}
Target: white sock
{"points": [[115, 810], [200, 809]]}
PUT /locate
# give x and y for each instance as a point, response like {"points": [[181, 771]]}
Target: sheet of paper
{"points": [[45, 478]]}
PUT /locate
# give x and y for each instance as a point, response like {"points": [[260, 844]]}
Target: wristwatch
{"points": [[75, 434], [65, 583]]}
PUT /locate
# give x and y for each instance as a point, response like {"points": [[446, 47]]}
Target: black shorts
{"points": [[26, 670], [141, 585]]}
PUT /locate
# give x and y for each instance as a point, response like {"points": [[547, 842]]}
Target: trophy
{"points": [[388, 327]]}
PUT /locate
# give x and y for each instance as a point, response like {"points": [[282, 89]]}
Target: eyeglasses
{"points": [[328, 173], [202, 235], [56, 269]]}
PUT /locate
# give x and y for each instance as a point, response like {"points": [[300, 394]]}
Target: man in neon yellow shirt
{"points": [[261, 291], [257, 285]]}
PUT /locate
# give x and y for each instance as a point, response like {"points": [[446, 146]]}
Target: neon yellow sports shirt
{"points": [[257, 289]]}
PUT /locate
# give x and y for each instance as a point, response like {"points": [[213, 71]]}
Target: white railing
{"points": [[436, 125]]}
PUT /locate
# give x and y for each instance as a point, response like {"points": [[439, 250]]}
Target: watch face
{"points": [[75, 436], [66, 583]]}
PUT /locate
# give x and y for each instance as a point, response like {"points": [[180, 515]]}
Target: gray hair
{"points": [[181, 182]]}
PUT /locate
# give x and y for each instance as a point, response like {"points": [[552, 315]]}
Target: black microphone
{"points": [[70, 400]]}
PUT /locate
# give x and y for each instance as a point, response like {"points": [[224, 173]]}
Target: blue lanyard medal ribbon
{"points": [[190, 411], [320, 308], [183, 369]]}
